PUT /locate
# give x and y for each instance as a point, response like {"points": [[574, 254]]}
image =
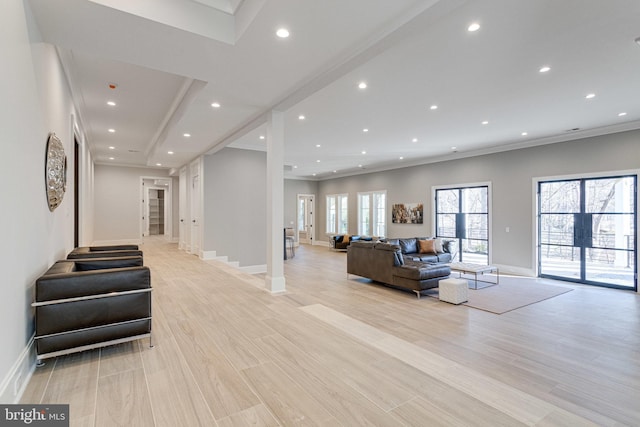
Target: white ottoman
{"points": [[453, 290]]}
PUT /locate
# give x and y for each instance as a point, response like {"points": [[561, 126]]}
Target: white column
{"points": [[275, 281]]}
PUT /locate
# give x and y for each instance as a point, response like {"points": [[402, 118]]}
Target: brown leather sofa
{"points": [[340, 242], [88, 303], [104, 251], [384, 263]]}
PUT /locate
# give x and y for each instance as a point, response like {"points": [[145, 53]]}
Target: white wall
{"points": [[35, 101], [234, 208], [511, 175], [118, 201]]}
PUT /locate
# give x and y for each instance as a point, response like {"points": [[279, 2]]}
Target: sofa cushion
{"points": [[427, 246], [426, 258], [421, 271], [409, 246]]}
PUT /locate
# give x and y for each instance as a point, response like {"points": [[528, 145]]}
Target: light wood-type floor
{"points": [[338, 351]]}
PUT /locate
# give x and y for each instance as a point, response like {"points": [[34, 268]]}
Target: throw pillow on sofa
{"points": [[427, 246], [409, 246]]}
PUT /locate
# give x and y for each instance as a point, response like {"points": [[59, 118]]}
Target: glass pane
{"points": [[446, 225], [331, 215], [365, 217], [609, 266], [301, 217], [477, 226], [344, 215], [560, 197], [609, 195], [556, 229], [380, 216], [474, 200], [448, 201], [613, 231], [561, 261], [475, 251]]}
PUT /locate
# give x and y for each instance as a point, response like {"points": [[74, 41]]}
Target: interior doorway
{"points": [[305, 219], [156, 208], [155, 211]]}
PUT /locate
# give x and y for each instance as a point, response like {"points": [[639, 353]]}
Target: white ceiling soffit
{"points": [[221, 20], [228, 6]]}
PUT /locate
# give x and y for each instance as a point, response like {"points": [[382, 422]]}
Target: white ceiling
{"points": [[171, 59]]}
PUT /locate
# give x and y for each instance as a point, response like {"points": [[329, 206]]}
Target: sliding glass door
{"points": [[462, 214], [586, 230]]}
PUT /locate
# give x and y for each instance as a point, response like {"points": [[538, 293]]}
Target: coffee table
{"points": [[476, 269]]}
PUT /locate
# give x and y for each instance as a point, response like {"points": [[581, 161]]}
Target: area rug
{"points": [[512, 293]]}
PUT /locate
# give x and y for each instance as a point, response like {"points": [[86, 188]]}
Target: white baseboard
{"points": [[254, 269], [516, 271], [14, 384], [208, 255]]}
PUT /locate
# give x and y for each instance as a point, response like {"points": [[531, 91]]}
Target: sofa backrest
{"points": [[373, 260]]}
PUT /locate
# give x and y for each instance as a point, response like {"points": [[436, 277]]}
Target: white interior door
{"points": [[183, 238], [195, 211], [306, 217]]}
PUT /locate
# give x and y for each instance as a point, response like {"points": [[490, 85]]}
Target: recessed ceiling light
{"points": [[433, 107], [414, 140], [283, 33], [401, 158], [261, 137], [318, 145], [486, 122], [111, 158], [544, 69], [590, 96], [359, 166], [186, 135], [112, 148], [314, 174], [454, 148], [365, 130], [362, 85], [215, 104], [169, 152], [158, 164], [318, 161], [111, 103], [364, 152], [622, 114], [524, 133], [335, 171], [111, 130], [295, 166], [473, 27], [301, 117]]}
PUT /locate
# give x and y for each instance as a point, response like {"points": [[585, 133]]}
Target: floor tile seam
{"points": [[510, 403], [146, 383]]}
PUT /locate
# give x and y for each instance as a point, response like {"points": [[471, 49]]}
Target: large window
{"points": [[463, 214], [337, 214], [372, 218]]}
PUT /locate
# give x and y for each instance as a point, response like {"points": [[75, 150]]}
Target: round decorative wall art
{"points": [[55, 172]]}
